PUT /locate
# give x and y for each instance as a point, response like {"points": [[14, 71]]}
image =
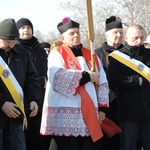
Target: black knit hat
{"points": [[24, 21], [8, 30], [113, 22], [66, 24], [45, 45]]}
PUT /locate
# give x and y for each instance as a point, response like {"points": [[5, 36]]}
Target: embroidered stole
{"points": [[13, 86], [87, 105], [134, 64]]}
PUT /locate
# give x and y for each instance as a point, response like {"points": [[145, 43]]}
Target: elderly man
{"points": [[129, 72], [74, 107], [114, 35]]}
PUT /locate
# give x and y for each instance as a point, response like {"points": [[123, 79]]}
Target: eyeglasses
{"points": [[10, 42]]}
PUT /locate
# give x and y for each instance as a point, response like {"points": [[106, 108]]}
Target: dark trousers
{"points": [[132, 130], [12, 138], [35, 141], [112, 143], [76, 143]]}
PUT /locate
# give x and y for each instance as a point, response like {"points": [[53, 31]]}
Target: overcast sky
{"points": [[44, 14]]}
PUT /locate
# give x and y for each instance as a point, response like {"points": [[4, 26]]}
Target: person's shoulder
{"points": [[102, 49], [97, 50], [86, 51], [19, 49], [125, 49], [86, 48], [42, 52]]}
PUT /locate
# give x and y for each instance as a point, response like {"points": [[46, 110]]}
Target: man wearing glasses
{"points": [[18, 79]]}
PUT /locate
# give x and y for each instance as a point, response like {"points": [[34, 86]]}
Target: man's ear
{"points": [[106, 35]]}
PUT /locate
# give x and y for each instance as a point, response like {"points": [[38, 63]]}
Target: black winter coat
{"points": [[39, 58], [102, 53], [133, 99], [24, 71]]}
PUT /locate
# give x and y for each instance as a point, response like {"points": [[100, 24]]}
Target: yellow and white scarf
{"points": [[132, 63], [13, 86]]}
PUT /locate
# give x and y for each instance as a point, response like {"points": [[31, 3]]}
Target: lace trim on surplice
{"points": [[63, 121], [66, 82], [103, 98]]}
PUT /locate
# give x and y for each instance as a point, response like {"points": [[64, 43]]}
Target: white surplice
{"points": [[62, 104]]}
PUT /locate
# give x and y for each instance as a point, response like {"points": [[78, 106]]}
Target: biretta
{"points": [[113, 22], [66, 24]]}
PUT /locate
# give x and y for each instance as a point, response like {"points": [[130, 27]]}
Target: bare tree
{"points": [[135, 12], [52, 36], [130, 11], [77, 11], [38, 35]]}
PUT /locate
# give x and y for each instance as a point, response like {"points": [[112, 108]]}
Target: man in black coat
{"points": [[114, 35], [18, 79], [26, 39], [129, 72]]}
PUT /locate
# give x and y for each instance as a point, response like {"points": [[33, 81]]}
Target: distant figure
{"points": [[147, 42], [46, 47]]}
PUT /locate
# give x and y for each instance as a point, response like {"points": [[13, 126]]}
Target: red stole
{"points": [[87, 105]]}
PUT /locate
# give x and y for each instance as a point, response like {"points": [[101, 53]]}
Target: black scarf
{"points": [[77, 50], [28, 43]]}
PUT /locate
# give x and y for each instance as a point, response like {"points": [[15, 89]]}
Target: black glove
{"points": [[112, 95], [135, 80], [85, 78]]}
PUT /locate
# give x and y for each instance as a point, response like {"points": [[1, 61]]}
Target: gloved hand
{"points": [[136, 80]]}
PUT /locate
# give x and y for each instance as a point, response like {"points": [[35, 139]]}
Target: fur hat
{"points": [[113, 22], [24, 21], [45, 45], [66, 24], [8, 30]]}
